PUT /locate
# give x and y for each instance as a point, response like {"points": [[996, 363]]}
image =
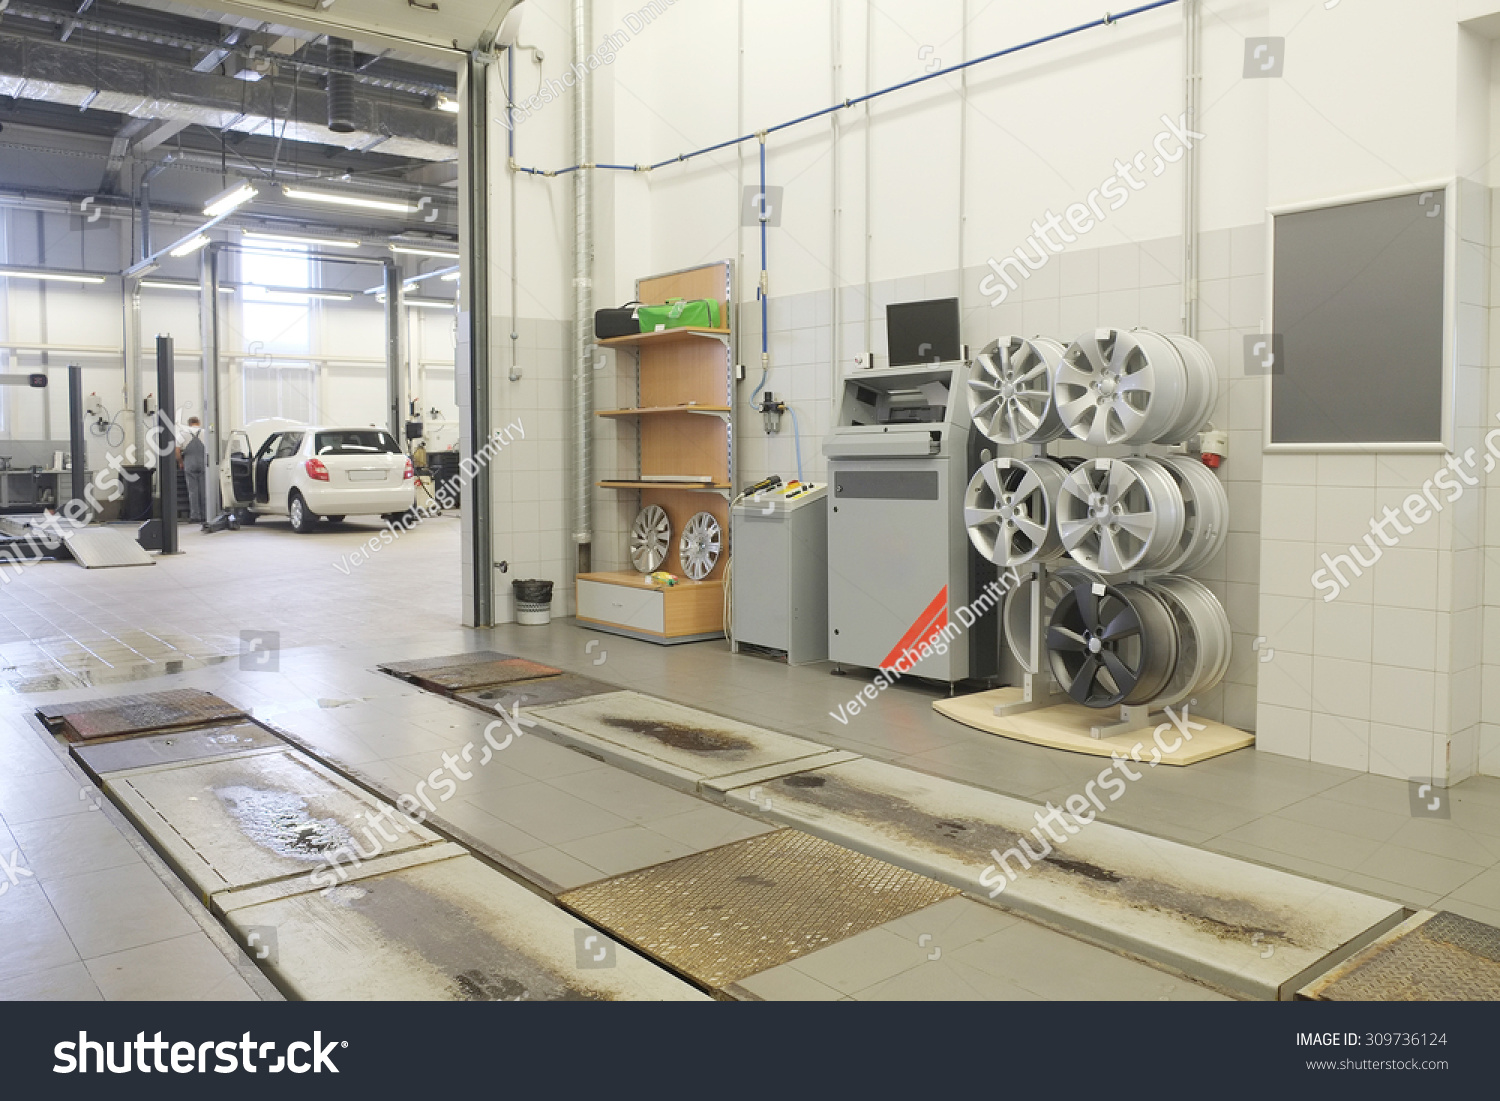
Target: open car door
{"points": [[237, 475]]}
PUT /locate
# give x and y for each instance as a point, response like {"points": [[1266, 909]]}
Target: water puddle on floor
{"points": [[57, 664]]}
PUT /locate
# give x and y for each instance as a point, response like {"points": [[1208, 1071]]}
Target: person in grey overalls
{"points": [[193, 456]]}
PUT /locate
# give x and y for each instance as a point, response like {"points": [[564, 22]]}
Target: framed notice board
{"points": [[1360, 301]]}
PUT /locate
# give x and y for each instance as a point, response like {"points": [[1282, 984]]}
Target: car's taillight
{"points": [[316, 470], [411, 471]]}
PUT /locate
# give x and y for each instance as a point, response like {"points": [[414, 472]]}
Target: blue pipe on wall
{"points": [[1109, 19]]}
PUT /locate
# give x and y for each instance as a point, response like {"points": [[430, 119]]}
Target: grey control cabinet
{"points": [[779, 574]]}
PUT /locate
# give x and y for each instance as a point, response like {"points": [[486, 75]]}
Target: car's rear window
{"points": [[370, 441]]}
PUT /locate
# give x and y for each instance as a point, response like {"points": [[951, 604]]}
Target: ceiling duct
{"points": [[340, 86], [54, 72]]}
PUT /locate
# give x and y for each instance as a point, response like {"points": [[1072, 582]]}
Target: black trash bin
{"points": [[533, 602], [140, 487]]}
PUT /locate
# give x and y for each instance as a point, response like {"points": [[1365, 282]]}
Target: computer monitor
{"points": [[923, 332]]}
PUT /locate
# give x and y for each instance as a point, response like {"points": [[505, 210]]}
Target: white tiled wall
{"points": [[1386, 678]]}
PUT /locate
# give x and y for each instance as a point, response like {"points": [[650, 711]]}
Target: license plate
{"points": [[367, 475]]}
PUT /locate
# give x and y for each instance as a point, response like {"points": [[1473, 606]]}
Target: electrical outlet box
{"points": [[1214, 442]]}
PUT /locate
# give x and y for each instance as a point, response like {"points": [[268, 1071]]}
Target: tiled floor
{"points": [[94, 918]]}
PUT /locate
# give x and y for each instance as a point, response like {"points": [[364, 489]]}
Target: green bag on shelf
{"points": [[680, 313]]}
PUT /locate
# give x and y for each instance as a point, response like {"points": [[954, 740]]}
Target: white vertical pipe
{"points": [[1192, 33], [583, 291]]}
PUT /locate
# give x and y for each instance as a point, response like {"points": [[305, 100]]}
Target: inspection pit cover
{"points": [[173, 747], [127, 715], [266, 815], [735, 911], [464, 671], [1431, 957], [536, 693]]}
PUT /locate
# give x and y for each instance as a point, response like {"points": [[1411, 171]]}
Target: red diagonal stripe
{"points": [[932, 620]]}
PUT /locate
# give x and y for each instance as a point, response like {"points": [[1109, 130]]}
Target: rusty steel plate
{"points": [[124, 716], [465, 671], [536, 693], [734, 911], [1432, 957], [424, 665]]}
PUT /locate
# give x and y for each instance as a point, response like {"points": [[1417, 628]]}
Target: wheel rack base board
{"points": [[625, 602], [1066, 726]]}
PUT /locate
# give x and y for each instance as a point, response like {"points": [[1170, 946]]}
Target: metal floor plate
{"points": [[424, 665], [677, 745], [126, 715], [421, 928], [102, 758], [1431, 957], [266, 815], [735, 911], [537, 693], [466, 671]]}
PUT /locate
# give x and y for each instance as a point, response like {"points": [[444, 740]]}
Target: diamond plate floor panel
{"points": [[126, 715], [738, 910], [1431, 957]]}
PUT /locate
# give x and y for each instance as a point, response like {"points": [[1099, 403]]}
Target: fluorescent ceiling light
{"points": [[445, 104], [190, 246], [422, 303], [283, 293], [415, 250], [164, 285], [451, 277], [58, 276], [230, 199], [336, 199], [286, 240]]}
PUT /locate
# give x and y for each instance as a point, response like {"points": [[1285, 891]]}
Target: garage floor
{"points": [[87, 910]]}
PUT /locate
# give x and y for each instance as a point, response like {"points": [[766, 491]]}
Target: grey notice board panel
{"points": [[1358, 307]]}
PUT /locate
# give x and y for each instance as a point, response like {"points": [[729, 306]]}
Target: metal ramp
{"points": [[105, 548]]}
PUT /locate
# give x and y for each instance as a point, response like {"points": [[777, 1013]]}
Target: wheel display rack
{"points": [[1106, 617]]}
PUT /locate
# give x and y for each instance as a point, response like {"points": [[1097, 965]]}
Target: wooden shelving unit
{"points": [[684, 402]]}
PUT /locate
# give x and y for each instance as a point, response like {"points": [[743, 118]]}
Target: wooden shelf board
{"points": [[666, 336], [704, 486], [632, 580], [655, 410]]}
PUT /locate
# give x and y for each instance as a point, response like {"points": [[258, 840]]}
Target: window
{"points": [[276, 329], [369, 441]]}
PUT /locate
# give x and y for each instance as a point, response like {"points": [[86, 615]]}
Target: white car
{"points": [[308, 473]]}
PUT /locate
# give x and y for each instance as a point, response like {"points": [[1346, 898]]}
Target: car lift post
{"points": [[165, 442], [76, 440]]}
